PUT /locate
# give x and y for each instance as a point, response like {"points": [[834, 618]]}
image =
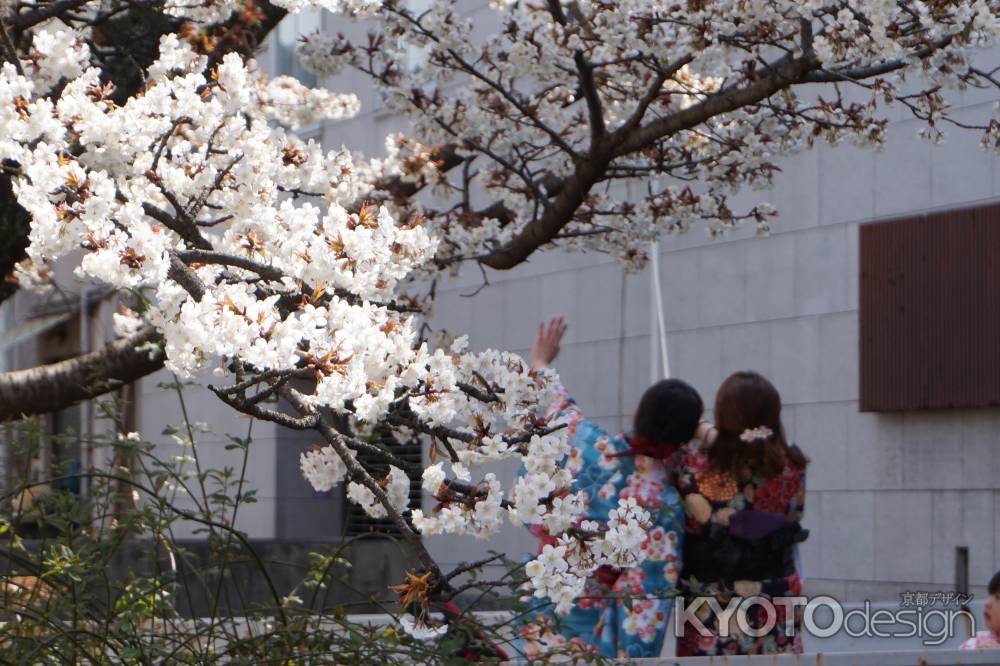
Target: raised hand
{"points": [[546, 346]]}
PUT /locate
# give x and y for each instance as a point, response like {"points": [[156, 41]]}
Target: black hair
{"points": [[994, 586], [669, 412]]}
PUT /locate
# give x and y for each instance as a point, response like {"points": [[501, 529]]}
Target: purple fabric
{"points": [[752, 524]]}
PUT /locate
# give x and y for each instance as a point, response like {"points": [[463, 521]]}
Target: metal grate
{"points": [[360, 523], [929, 321]]}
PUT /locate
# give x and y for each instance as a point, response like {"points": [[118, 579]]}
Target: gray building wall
{"points": [[286, 507]]}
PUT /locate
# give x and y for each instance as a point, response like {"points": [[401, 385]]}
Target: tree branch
{"points": [[622, 142], [49, 388], [222, 259], [42, 13], [586, 75], [357, 473], [785, 72], [859, 73], [185, 276], [543, 229]]}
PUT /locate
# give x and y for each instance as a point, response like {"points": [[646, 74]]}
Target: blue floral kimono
{"points": [[624, 613]]}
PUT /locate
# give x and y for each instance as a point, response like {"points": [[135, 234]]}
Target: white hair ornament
{"points": [[758, 434]]}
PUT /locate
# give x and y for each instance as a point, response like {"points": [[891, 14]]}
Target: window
{"points": [[65, 448], [290, 29], [929, 318]]}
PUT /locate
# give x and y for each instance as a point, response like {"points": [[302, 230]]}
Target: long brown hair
{"points": [[747, 400]]}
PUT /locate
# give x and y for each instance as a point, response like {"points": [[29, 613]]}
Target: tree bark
{"points": [[48, 388], [14, 224]]}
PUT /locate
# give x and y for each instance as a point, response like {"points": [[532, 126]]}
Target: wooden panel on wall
{"points": [[930, 311]]}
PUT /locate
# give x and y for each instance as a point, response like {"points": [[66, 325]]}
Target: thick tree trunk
{"points": [[48, 388], [14, 223]]}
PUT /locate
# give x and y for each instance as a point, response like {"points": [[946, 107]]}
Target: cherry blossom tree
{"points": [[690, 101], [126, 39], [290, 272]]}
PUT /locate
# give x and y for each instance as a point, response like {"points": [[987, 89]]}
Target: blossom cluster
{"points": [[323, 468], [397, 489], [295, 105], [54, 56], [559, 572], [645, 87], [481, 519], [193, 164], [187, 193]]}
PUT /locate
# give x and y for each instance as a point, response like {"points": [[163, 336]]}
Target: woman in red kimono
{"points": [[743, 498]]}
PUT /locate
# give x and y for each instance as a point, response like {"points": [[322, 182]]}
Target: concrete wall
{"points": [[159, 408]]}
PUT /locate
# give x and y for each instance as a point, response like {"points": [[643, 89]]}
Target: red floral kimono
{"points": [[739, 540]]}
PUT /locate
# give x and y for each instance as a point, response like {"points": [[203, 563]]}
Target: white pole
{"points": [[658, 297], [654, 329]]}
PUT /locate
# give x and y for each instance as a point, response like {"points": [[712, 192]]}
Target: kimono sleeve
{"points": [[564, 407], [596, 471]]}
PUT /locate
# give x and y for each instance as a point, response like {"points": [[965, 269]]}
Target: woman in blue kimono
{"points": [[624, 613]]}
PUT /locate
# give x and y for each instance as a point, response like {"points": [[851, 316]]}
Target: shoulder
{"points": [[982, 639], [692, 461], [595, 445], [692, 458], [588, 431], [796, 461], [693, 453]]}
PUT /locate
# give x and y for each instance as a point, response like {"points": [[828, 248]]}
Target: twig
{"points": [[9, 48]]}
